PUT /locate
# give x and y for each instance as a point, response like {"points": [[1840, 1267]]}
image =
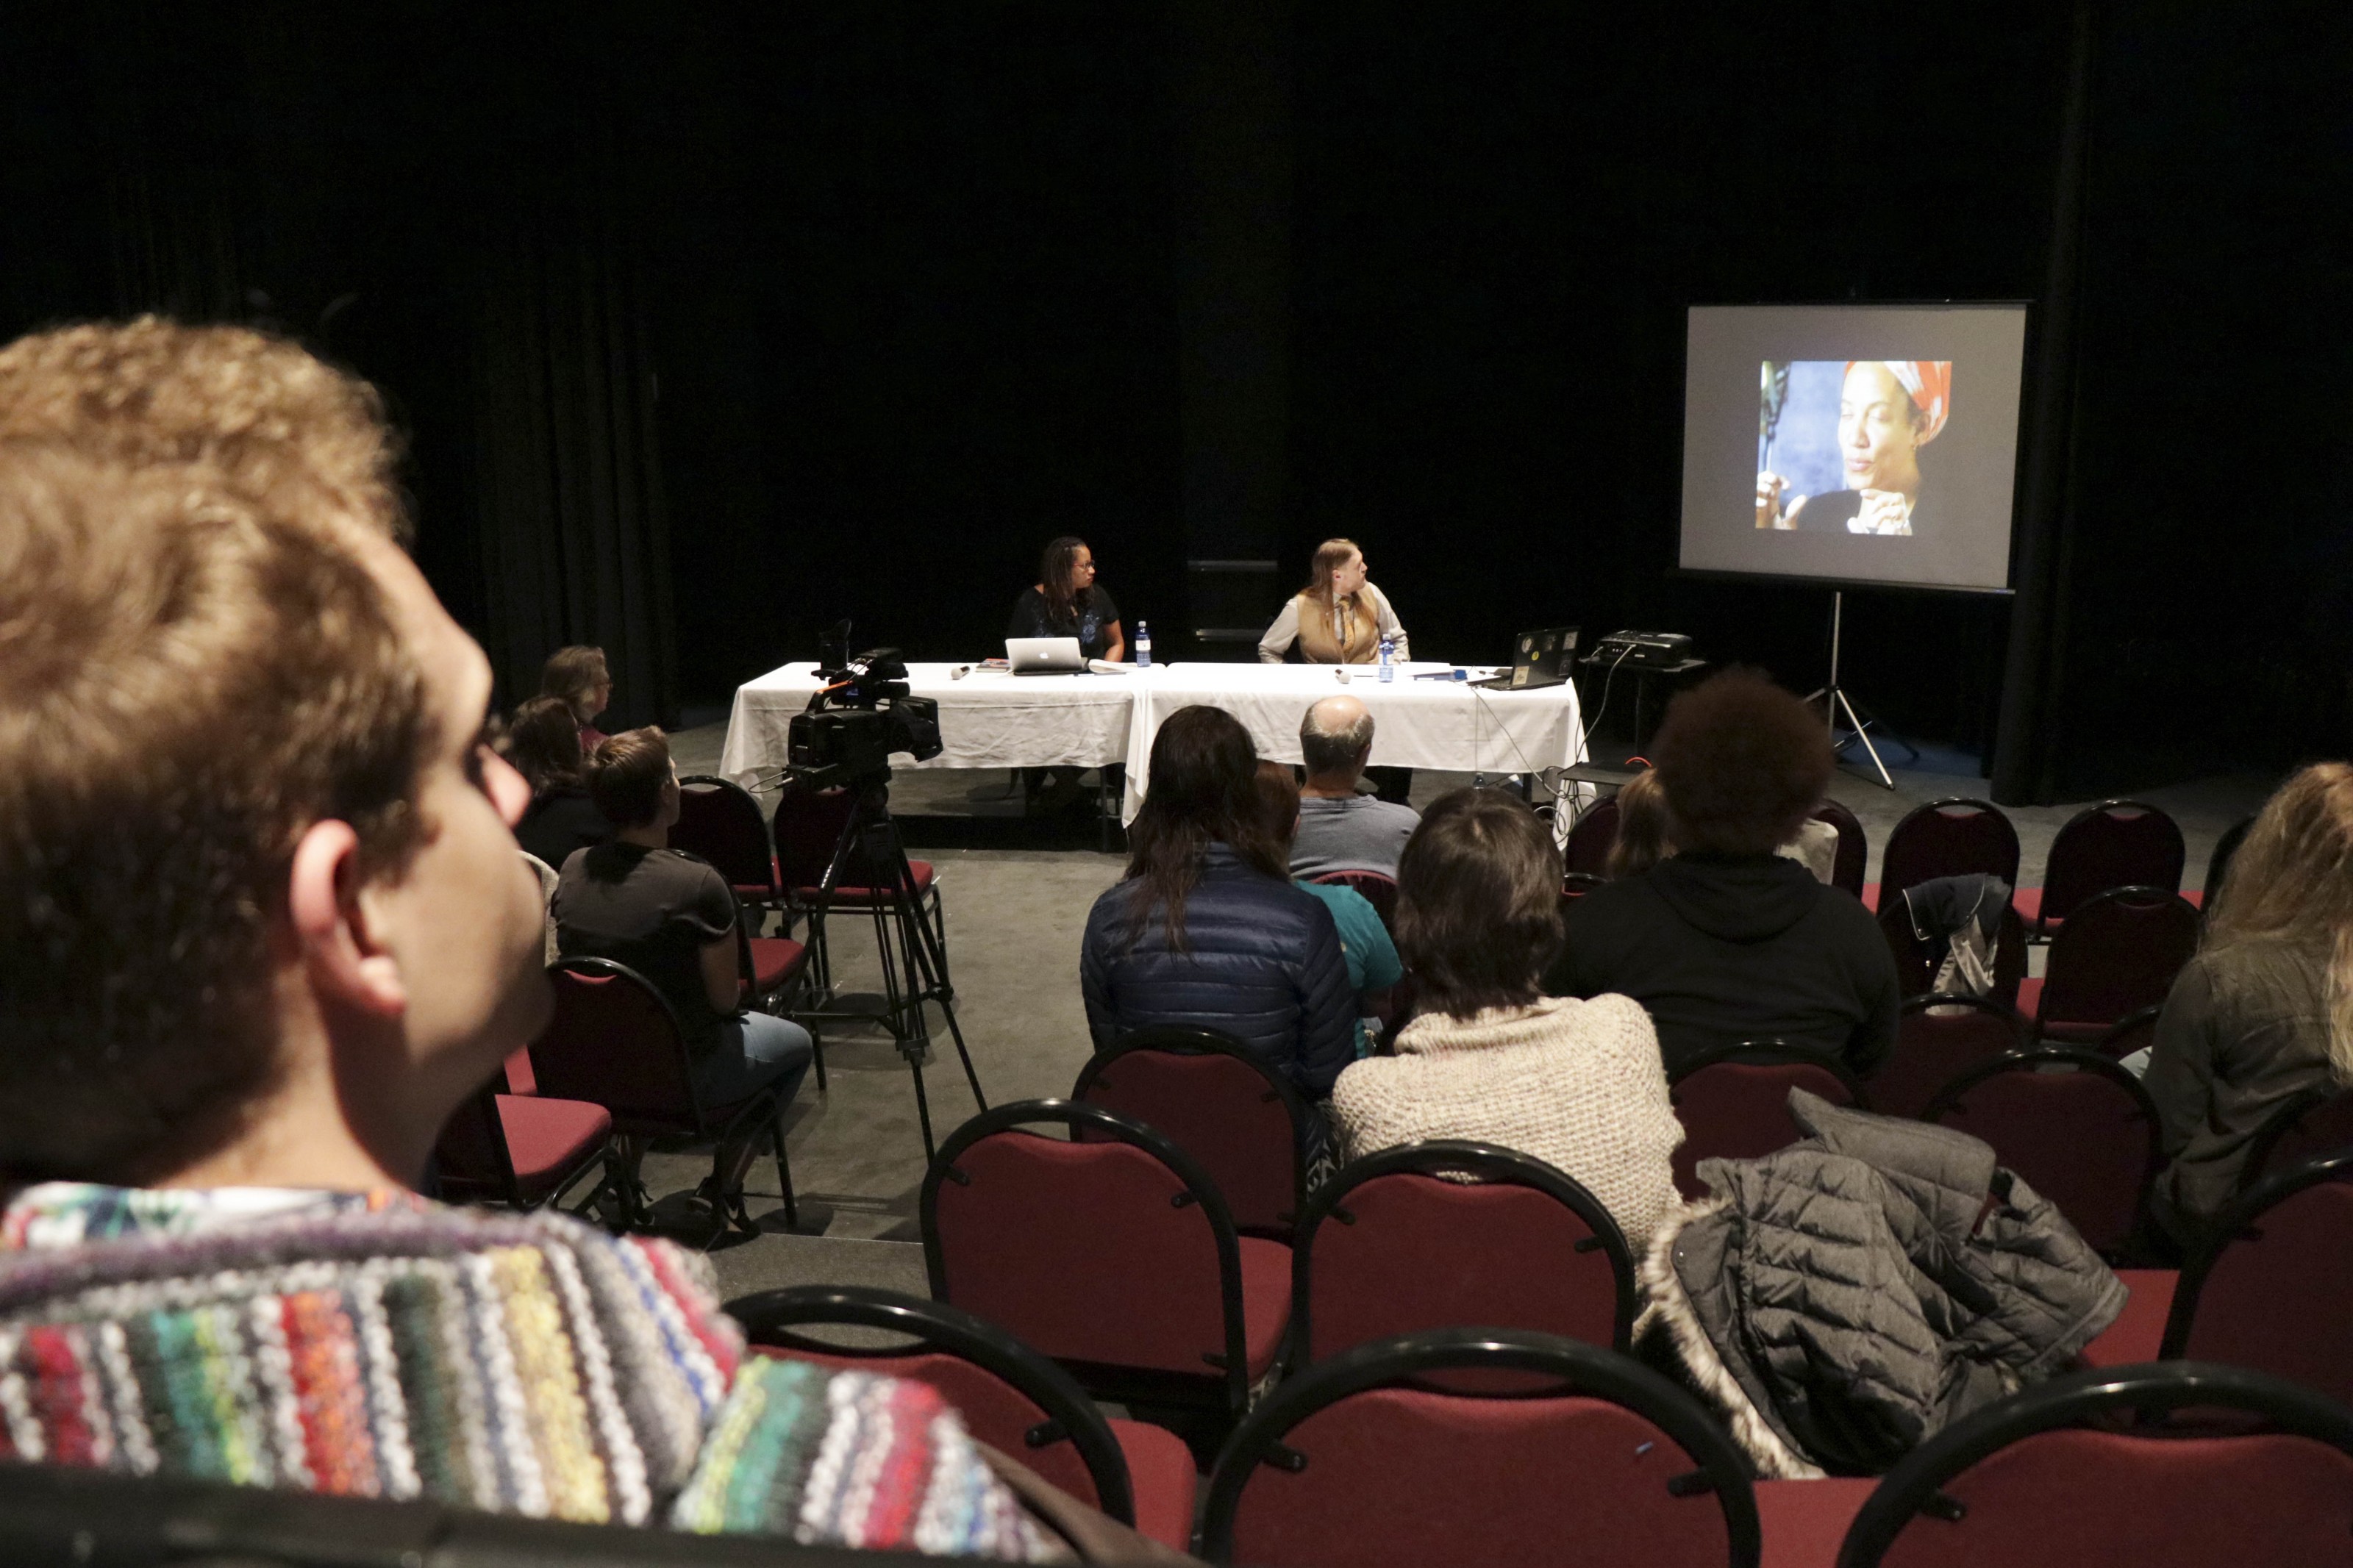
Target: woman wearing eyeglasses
{"points": [[1065, 603]]}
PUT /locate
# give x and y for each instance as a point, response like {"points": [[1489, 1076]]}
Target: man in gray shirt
{"points": [[1339, 829]]}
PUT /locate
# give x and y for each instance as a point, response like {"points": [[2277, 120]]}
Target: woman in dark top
{"points": [[544, 743], [1065, 603]]}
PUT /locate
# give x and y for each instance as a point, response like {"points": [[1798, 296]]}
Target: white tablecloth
{"points": [[1443, 724], [993, 719], [988, 720]]}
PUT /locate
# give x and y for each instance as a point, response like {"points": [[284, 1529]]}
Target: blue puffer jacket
{"points": [[1264, 966]]}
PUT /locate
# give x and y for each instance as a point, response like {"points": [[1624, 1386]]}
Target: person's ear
{"points": [[337, 926]]}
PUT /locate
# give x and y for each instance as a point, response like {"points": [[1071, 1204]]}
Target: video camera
{"points": [[861, 716]]}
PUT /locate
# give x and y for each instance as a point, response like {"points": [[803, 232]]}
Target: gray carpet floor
{"points": [[1016, 895]]}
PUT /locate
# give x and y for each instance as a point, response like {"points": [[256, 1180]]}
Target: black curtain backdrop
{"points": [[845, 308]]}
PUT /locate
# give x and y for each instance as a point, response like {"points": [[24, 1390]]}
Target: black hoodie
{"points": [[1722, 949]]}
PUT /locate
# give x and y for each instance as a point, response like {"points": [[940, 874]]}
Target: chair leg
{"points": [[784, 1171]]}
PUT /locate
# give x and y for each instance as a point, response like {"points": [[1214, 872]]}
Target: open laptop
{"points": [[1538, 659], [1045, 656]]}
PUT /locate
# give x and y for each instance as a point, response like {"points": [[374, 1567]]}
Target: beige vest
{"points": [[1359, 641]]}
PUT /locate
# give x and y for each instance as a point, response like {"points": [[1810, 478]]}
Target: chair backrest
{"points": [[806, 829], [1946, 839], [1116, 1249], [1937, 1039], [2217, 863], [719, 820], [2116, 843], [614, 1041], [471, 1158], [2079, 1128], [2062, 1473], [1378, 888], [2310, 1124], [1218, 1101], [1389, 1245], [1734, 1102], [1010, 1397], [2118, 953], [2268, 1287], [1590, 839], [1915, 961], [1853, 848], [2135, 1031], [1357, 1461]]}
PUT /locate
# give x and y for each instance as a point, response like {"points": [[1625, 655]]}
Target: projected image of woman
{"points": [[1888, 410]]}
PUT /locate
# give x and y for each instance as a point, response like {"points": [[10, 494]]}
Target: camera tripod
{"points": [[915, 964]]}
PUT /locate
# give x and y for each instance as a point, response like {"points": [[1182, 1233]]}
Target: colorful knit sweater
{"points": [[377, 1345]]}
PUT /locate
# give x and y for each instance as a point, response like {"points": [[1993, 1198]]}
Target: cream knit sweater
{"points": [[1578, 1084]]}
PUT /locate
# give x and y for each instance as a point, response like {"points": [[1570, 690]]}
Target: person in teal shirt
{"points": [[1371, 956]]}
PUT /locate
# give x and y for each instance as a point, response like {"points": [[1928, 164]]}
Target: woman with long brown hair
{"points": [[1339, 617], [1205, 930], [2265, 1006], [1067, 602]]}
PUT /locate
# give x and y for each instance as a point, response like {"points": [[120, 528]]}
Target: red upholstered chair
{"points": [[807, 829], [1937, 1039], [1115, 1254], [1358, 1462], [1734, 1102], [1590, 839], [1015, 1400], [2080, 1129], [2118, 953], [1389, 1245], [1221, 1104], [1915, 960], [522, 1151], [1854, 848], [2310, 1124], [1380, 890], [719, 820], [2269, 1287], [1946, 839], [2116, 843], [2061, 1474], [614, 1042]]}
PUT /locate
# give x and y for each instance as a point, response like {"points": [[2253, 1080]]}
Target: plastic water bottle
{"points": [[1144, 645], [1388, 657]]}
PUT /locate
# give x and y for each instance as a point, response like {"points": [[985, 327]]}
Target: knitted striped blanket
{"points": [[382, 1346]]}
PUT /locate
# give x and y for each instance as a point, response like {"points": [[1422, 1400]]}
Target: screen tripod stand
{"points": [[1834, 701], [914, 962]]}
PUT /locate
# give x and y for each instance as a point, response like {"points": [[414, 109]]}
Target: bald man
{"points": [[1339, 828]]}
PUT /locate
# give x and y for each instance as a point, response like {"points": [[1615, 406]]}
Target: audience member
{"points": [[1576, 1084], [264, 928], [1641, 841], [1340, 828], [579, 677], [1067, 602], [670, 916], [1365, 942], [2265, 1008], [544, 743], [1206, 929], [1726, 940]]}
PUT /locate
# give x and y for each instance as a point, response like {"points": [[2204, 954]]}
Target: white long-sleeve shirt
{"points": [[1285, 630]]}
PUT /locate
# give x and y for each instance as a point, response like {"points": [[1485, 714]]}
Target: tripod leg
{"points": [[922, 1107], [1864, 736]]}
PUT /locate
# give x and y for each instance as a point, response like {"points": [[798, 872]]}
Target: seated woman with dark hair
{"points": [[544, 743], [1726, 940], [1576, 1084], [1207, 930]]}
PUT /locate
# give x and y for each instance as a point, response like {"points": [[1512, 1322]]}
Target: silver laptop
{"points": [[1045, 656]]}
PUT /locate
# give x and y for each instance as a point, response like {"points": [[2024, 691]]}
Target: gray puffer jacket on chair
{"points": [[1847, 1298]]}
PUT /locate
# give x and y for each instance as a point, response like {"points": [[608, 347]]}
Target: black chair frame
{"points": [[726, 1208], [1914, 1486], [2244, 1215], [2016, 1020], [1176, 1040], [1122, 1384], [2082, 1060], [1772, 1054], [2279, 1123], [1492, 1165], [769, 1317], [1583, 881], [1723, 1470], [2126, 1025]]}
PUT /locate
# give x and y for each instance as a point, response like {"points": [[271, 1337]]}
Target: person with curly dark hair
{"points": [[1725, 941]]}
